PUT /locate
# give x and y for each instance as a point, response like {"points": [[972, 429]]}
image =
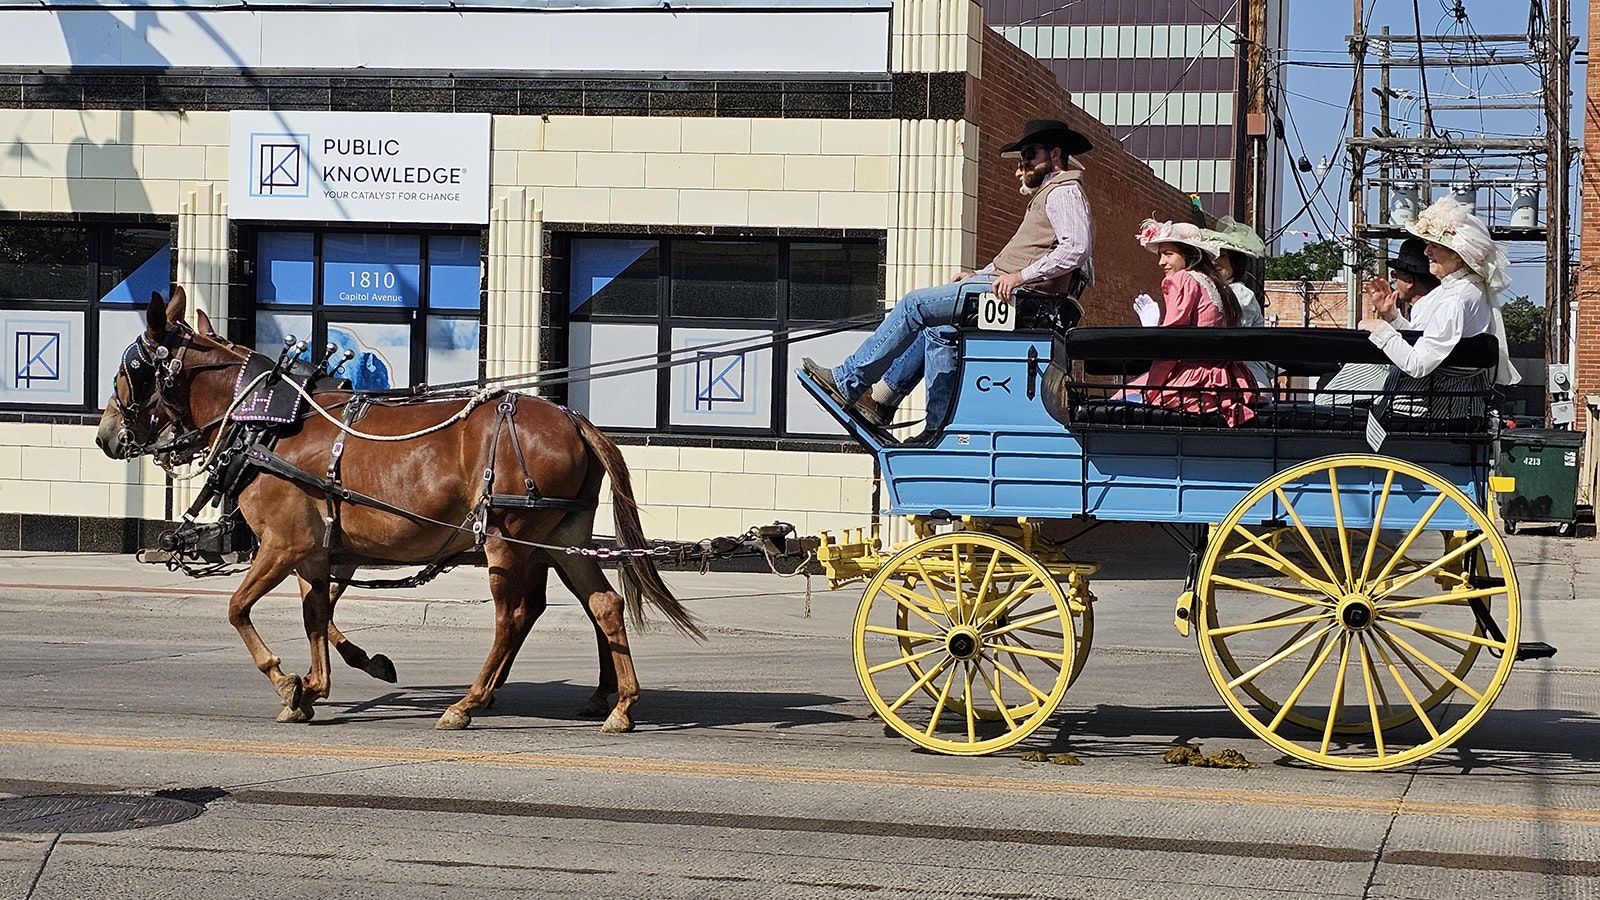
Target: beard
{"points": [[1035, 177]]}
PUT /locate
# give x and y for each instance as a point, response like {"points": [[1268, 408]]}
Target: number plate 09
{"points": [[995, 314]]}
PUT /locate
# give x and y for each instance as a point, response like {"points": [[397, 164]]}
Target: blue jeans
{"points": [[917, 336]]}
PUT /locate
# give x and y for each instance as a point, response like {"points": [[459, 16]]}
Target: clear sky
{"points": [[1317, 77]]}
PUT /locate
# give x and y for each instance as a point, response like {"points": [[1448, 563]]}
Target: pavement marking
{"points": [[795, 775]]}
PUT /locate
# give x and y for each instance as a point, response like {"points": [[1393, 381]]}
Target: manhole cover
{"points": [[86, 813]]}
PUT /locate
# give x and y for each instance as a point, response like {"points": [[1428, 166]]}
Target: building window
{"points": [[72, 297], [630, 297], [407, 305]]}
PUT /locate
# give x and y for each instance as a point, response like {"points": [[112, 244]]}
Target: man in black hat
{"points": [[1412, 280], [1050, 251]]}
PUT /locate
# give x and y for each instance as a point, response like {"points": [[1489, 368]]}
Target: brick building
{"points": [[621, 181], [1586, 297], [1168, 77]]}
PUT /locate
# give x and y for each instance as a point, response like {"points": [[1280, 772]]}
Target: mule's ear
{"points": [[176, 308], [155, 317], [202, 322]]}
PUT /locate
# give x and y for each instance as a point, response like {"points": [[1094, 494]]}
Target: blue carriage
{"points": [[1340, 596]]}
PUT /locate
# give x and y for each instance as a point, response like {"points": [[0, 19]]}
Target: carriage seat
{"points": [[1123, 353], [1037, 311]]}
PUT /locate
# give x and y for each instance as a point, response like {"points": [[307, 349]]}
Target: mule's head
{"points": [[148, 408]]}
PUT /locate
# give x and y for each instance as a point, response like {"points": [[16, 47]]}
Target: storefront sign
{"points": [[359, 167]]}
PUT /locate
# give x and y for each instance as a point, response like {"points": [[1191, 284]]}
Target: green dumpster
{"points": [[1544, 462]]}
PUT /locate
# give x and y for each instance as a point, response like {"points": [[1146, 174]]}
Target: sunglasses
{"points": [[1029, 154]]}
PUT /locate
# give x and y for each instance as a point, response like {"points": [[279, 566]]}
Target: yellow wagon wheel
{"points": [[936, 615], [1082, 626], [1356, 632]]}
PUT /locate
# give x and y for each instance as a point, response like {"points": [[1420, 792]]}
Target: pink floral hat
{"points": [[1152, 234]]}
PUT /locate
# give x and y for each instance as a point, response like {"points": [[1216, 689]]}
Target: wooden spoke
{"points": [[1310, 542], [1368, 678], [901, 632], [912, 603], [1278, 657], [1288, 567], [1445, 634], [1452, 598], [934, 590], [1422, 714], [1336, 704], [917, 685], [1305, 682], [1455, 555], [1374, 536], [944, 698], [1263, 625], [1022, 682], [1279, 593], [911, 660]]}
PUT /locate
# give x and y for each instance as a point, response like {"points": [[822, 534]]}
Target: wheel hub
{"points": [[1357, 612], [962, 642]]}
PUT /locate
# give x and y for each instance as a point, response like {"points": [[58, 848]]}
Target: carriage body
{"points": [[1293, 508]]}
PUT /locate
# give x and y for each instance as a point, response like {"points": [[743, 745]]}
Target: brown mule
{"points": [[175, 389]]}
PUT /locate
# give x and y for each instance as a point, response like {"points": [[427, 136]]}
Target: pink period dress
{"points": [[1190, 385]]}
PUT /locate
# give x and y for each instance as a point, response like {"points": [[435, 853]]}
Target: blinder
{"points": [[151, 371]]}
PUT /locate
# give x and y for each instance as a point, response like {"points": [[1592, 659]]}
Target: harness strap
{"points": [[276, 465]]}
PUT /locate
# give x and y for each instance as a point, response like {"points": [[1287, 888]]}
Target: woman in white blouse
{"points": [[1471, 268]]}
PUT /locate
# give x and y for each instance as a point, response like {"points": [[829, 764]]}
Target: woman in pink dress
{"points": [[1193, 295]]}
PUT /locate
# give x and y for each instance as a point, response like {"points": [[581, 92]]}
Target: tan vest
{"points": [[1036, 237]]}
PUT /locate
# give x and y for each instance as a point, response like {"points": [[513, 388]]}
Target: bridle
{"points": [[151, 369]]}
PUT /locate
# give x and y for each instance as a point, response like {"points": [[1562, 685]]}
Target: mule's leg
{"points": [[509, 573], [267, 572], [534, 603], [598, 705], [583, 576], [316, 608], [376, 665]]}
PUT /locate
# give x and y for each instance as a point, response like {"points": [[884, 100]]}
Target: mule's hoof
{"points": [[292, 691], [296, 714], [453, 720], [617, 723], [381, 668], [596, 708]]}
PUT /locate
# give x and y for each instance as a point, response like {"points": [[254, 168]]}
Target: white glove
{"points": [[1148, 311]]}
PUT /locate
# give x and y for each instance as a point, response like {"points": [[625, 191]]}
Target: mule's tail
{"points": [[638, 573]]}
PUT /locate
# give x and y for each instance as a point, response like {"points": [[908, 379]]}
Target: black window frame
{"points": [[416, 318], [100, 239], [783, 359]]}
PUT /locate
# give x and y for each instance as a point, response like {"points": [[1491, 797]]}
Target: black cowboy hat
{"points": [[1411, 260], [1050, 133]]}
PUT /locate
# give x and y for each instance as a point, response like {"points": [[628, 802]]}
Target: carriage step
{"points": [[1534, 650]]}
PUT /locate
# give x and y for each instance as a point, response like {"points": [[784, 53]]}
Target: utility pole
{"points": [[1252, 197], [1358, 159], [1558, 122]]}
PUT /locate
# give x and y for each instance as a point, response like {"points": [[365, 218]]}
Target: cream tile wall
{"points": [[761, 173], [57, 470], [691, 493]]}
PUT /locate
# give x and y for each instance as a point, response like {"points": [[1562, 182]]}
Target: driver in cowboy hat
{"points": [[1051, 246]]}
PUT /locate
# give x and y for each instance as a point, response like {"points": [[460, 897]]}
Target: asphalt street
{"points": [[757, 768]]}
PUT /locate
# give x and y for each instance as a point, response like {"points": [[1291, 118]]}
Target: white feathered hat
{"points": [[1451, 224]]}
